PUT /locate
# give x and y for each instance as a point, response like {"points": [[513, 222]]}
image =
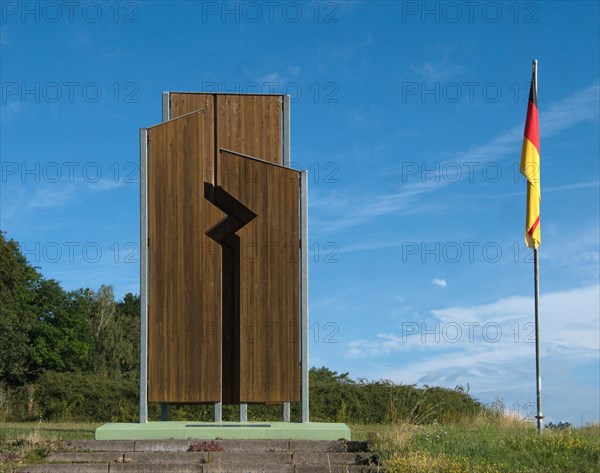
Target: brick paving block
{"points": [[97, 445], [321, 458], [317, 446], [254, 445], [334, 469], [163, 445], [212, 468], [92, 457], [249, 458], [173, 458], [154, 468], [65, 468]]}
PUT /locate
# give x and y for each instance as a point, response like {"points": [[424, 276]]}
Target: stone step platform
{"points": [[214, 456]]}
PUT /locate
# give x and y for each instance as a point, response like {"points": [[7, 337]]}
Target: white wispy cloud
{"points": [[566, 187], [11, 109], [272, 78], [437, 71], [4, 40], [489, 348], [467, 341], [577, 185], [331, 54], [356, 208], [576, 108], [338, 301], [51, 197], [439, 282], [23, 201], [372, 244], [575, 251], [106, 184]]}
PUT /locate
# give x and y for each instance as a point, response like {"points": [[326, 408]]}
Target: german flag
{"points": [[530, 166]]}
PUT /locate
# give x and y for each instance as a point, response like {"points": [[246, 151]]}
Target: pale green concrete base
{"points": [[223, 430]]}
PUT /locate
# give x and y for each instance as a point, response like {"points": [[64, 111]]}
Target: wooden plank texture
{"points": [[246, 124], [241, 345], [185, 266], [269, 315]]}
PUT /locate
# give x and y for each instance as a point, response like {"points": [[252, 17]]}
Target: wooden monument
{"points": [[224, 263]]}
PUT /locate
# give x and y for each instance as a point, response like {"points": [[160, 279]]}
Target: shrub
{"points": [[68, 397], [335, 396]]}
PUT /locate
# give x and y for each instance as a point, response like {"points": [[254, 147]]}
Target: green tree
{"points": [[128, 317], [61, 336], [17, 280], [112, 350], [325, 376]]}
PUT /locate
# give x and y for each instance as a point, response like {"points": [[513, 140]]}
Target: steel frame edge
{"points": [[286, 131], [166, 106], [304, 293], [285, 161], [166, 116], [144, 296]]}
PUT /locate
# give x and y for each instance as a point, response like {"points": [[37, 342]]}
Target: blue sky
{"points": [[409, 118]]}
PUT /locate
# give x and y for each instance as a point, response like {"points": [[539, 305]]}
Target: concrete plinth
{"points": [[223, 430]]}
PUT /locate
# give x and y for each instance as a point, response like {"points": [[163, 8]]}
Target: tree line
{"points": [[43, 327], [74, 356]]}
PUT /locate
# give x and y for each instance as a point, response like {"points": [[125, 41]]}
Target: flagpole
{"points": [[536, 278], [538, 370]]}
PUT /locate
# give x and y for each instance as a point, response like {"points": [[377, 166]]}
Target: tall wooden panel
{"points": [[184, 326], [246, 124], [182, 103], [185, 103], [269, 272], [251, 125], [224, 253]]}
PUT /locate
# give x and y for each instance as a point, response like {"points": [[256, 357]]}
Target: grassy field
{"points": [[30, 443], [481, 445], [47, 431]]}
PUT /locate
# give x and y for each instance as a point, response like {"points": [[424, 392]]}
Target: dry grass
{"points": [[32, 447], [31, 442], [488, 443], [47, 430]]}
